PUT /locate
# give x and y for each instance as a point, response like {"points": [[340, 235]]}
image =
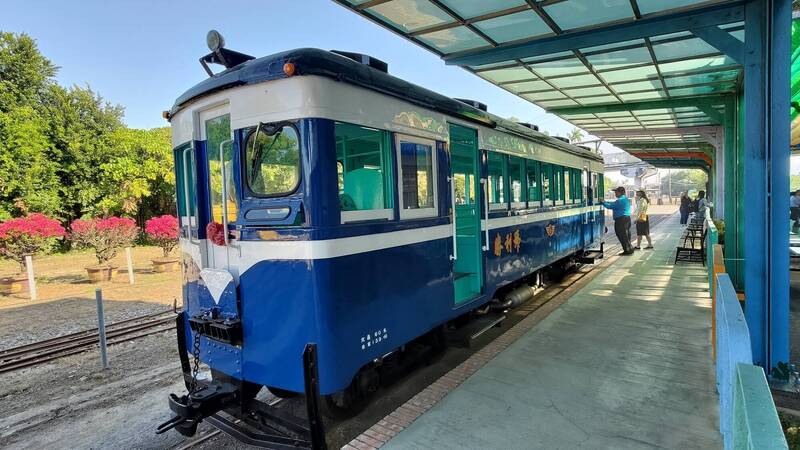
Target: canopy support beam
{"points": [[722, 41]]}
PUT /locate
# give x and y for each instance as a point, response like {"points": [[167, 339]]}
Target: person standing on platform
{"points": [[794, 210], [684, 208], [642, 220], [702, 205], [621, 211]]}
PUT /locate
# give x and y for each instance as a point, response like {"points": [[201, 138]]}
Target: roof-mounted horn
{"points": [[220, 55]]}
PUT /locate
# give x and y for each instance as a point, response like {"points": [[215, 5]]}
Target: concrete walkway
{"points": [[624, 363]]}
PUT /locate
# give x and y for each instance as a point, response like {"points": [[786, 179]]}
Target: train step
{"points": [[590, 256], [465, 335]]}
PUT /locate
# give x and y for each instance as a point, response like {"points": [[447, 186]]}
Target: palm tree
{"points": [[576, 135]]}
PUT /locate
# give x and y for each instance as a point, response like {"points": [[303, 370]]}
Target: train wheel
{"points": [[281, 393], [343, 404]]}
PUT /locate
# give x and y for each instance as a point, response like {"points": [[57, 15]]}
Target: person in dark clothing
{"points": [[684, 208], [621, 209]]}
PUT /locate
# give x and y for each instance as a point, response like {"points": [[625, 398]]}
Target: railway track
{"points": [[74, 343]]}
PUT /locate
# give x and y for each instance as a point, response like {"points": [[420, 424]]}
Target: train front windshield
{"points": [[272, 160]]}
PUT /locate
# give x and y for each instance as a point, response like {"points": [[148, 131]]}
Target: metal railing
{"points": [[747, 415]]}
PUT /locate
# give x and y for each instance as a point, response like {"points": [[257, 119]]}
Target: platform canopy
{"points": [[675, 83], [610, 67]]}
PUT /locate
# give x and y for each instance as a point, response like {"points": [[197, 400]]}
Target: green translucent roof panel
{"points": [[468, 9], [699, 90], [646, 69], [582, 13], [642, 96], [696, 64], [522, 25], [545, 95], [503, 75], [598, 100], [701, 78], [579, 80], [535, 85], [637, 86], [566, 66], [454, 39], [620, 58], [685, 48], [555, 103], [582, 92], [410, 15], [636, 73]]}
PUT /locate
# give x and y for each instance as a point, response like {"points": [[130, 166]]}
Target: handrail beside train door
{"points": [[224, 190], [186, 193], [485, 184], [452, 181]]}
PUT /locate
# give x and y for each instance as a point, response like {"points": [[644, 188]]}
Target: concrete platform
{"points": [[624, 363]]}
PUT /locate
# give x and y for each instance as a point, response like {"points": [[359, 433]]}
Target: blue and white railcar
{"points": [[323, 201]]}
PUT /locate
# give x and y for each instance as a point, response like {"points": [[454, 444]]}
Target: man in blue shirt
{"points": [[621, 209]]}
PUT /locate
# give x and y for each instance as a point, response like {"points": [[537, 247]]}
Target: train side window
{"points": [[185, 183], [534, 184], [218, 133], [497, 181], [547, 191], [516, 172], [567, 197], [417, 177], [363, 165], [557, 187]]}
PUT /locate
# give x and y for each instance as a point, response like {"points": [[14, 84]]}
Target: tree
{"points": [[138, 174], [27, 175], [684, 180], [82, 128], [576, 135], [28, 181], [65, 152], [24, 72]]}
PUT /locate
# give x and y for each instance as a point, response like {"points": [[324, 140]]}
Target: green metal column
{"points": [[732, 192]]}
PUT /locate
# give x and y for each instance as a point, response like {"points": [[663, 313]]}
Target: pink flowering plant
{"points": [[105, 236], [163, 231], [29, 235]]}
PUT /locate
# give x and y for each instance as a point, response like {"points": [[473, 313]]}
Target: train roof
{"points": [[312, 61]]}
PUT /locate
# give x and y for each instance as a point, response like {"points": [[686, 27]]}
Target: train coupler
{"points": [[191, 409]]}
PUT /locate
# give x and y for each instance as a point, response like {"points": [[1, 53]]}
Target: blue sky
{"points": [[142, 54]]}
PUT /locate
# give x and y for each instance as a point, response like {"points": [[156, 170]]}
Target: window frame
{"points": [[382, 214], [504, 205], [246, 184], [537, 172], [546, 172], [569, 185], [523, 183], [557, 188], [201, 119], [418, 213]]}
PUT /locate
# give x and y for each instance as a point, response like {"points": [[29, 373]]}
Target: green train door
{"points": [[465, 176]]}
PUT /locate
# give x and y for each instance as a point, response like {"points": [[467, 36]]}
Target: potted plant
{"points": [[106, 236], [163, 232], [25, 236]]}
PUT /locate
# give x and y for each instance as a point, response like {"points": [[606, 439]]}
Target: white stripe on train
{"points": [[244, 254]]}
